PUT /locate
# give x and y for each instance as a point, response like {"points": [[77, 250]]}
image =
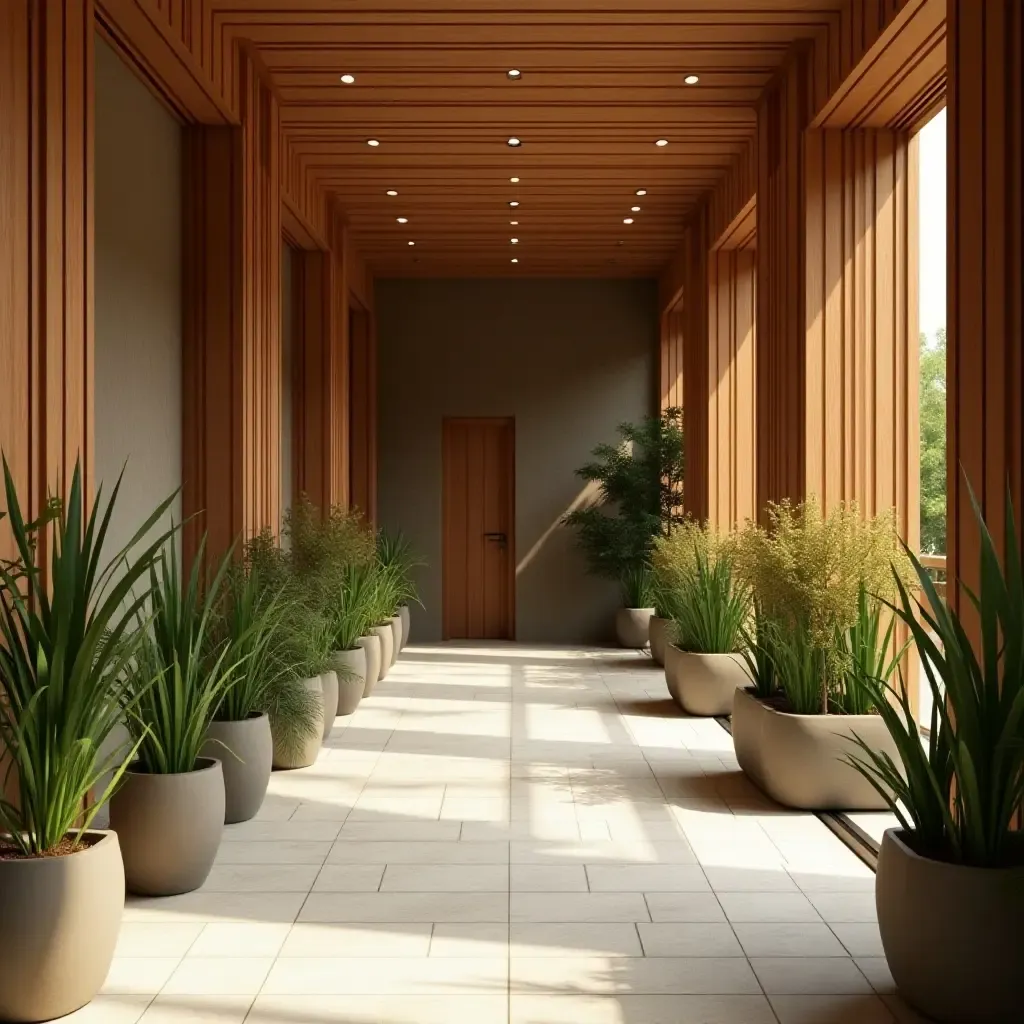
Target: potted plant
{"points": [[393, 550], [169, 812], [820, 630], [950, 879], [66, 642], [349, 616], [382, 608], [635, 495], [709, 608], [251, 619]]}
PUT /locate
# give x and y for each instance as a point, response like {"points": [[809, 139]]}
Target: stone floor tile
{"points": [[357, 940], [677, 939], [548, 878], [771, 940], [833, 1009], [229, 976], [805, 975], [640, 1009], [640, 975], [570, 939], [592, 906]]}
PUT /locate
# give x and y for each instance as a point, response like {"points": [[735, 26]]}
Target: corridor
{"points": [[513, 834]]}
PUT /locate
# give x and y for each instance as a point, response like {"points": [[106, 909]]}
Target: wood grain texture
{"points": [[46, 253], [232, 345], [985, 255]]}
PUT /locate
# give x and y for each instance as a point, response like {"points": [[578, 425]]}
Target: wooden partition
{"points": [[46, 243]]}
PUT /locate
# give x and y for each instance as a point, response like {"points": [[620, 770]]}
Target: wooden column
{"points": [[232, 348], [363, 419], [985, 82], [46, 242]]}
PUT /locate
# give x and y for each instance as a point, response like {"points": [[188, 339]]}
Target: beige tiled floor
{"points": [[514, 835]]}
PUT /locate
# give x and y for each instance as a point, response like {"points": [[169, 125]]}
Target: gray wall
{"points": [[570, 360], [287, 344], [138, 294]]}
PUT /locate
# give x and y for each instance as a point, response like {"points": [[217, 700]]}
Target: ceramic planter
{"points": [[403, 614], [305, 754], [800, 760], [951, 934], [658, 629], [245, 750], [169, 827], [396, 637], [329, 688], [386, 635], [371, 646], [703, 684], [350, 667], [632, 627], [59, 919]]}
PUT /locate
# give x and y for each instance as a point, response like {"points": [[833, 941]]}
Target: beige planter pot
{"points": [[371, 647], [59, 919], [305, 752], [246, 752], [169, 827], [658, 630], [329, 688], [350, 667], [396, 637], [386, 635], [703, 684], [800, 760], [403, 614], [632, 627], [951, 934]]}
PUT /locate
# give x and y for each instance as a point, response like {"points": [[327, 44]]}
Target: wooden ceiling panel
{"points": [[601, 81]]}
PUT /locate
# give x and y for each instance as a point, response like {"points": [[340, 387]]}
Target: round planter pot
{"points": [[403, 614], [371, 646], [350, 667], [396, 637], [169, 827], [246, 752], [951, 934], [329, 688], [703, 684], [800, 761], [386, 635], [59, 920], [305, 752], [659, 638], [632, 627]]}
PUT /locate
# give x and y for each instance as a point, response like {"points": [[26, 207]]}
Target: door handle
{"points": [[500, 538]]}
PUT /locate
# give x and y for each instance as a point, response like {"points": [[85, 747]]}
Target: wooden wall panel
{"points": [[46, 242], [232, 369], [732, 326], [861, 291], [985, 271]]}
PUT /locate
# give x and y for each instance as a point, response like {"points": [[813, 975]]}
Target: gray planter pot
{"points": [[246, 752], [632, 627], [800, 760], [329, 688], [951, 934], [403, 614], [658, 629], [371, 647], [396, 637], [169, 827], [350, 667], [703, 684], [59, 919], [305, 754], [386, 635]]}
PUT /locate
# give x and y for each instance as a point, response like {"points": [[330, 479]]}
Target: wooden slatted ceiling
{"points": [[602, 80]]}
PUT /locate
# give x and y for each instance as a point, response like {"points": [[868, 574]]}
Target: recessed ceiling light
{"points": [[627, 220], [402, 220], [412, 243], [514, 223], [515, 181], [514, 241], [392, 192], [641, 191], [513, 142], [662, 142], [691, 79], [635, 209], [514, 73], [348, 79], [513, 203], [373, 142], [514, 260]]}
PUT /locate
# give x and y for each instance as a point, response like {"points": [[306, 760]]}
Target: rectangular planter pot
{"points": [[703, 684], [800, 760]]}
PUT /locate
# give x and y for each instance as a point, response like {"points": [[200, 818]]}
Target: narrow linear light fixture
{"points": [[691, 79], [402, 220], [627, 220], [373, 142], [514, 74], [635, 209], [641, 191], [515, 181], [513, 203], [661, 142], [412, 243], [392, 192], [348, 79], [514, 260], [514, 223], [514, 142], [514, 241]]}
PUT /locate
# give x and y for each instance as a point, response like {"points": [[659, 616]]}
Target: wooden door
{"points": [[478, 564]]}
